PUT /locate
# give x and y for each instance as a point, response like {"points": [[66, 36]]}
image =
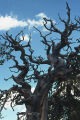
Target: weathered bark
{"points": [[44, 111], [37, 111]]}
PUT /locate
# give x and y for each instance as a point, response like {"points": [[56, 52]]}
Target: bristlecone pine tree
{"points": [[63, 69]]}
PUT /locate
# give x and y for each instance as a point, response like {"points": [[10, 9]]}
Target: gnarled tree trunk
{"points": [[38, 109]]}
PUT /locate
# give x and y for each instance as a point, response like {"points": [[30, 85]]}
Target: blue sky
{"points": [[17, 14]]}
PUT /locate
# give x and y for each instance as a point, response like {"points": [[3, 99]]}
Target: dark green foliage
{"points": [[64, 101]]}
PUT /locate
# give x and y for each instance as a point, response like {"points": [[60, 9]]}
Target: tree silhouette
{"points": [[62, 68]]}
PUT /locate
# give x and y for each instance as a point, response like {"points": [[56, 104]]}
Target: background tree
{"points": [[62, 69]]}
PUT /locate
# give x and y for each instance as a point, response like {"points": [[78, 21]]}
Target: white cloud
{"points": [[41, 15], [37, 22], [20, 107], [32, 89], [8, 105], [25, 37], [8, 22], [24, 109]]}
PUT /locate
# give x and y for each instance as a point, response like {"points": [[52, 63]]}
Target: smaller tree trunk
{"points": [[44, 111]]}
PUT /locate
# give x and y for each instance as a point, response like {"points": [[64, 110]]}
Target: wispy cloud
{"points": [[41, 15], [38, 21], [8, 22], [34, 22]]}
